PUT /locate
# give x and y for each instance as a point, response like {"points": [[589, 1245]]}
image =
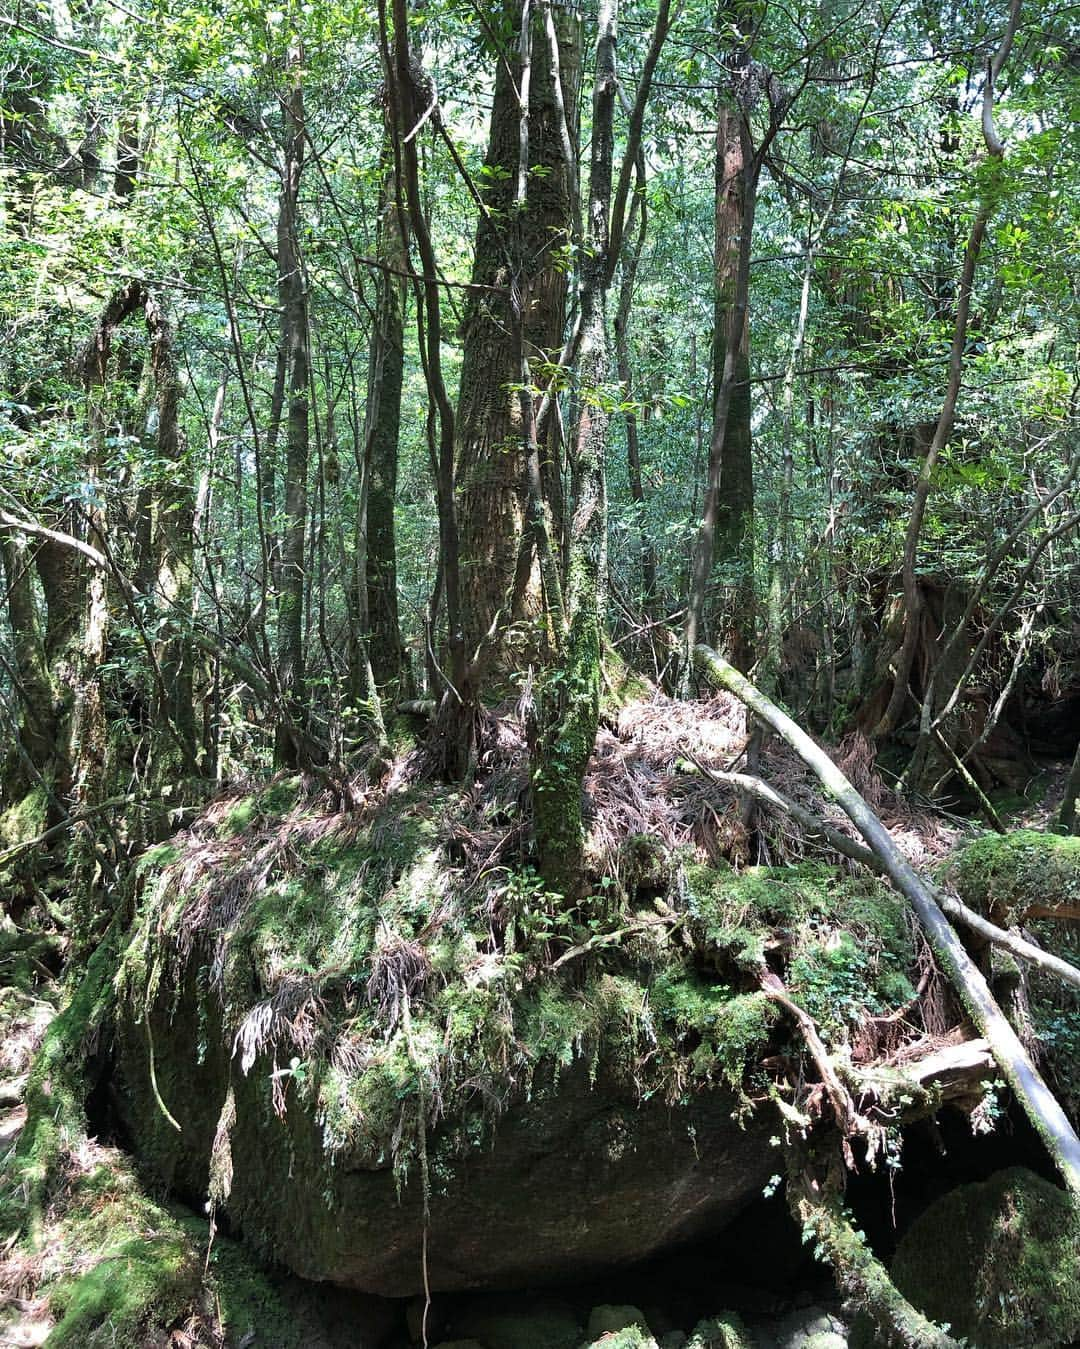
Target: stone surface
{"points": [[606, 1318], [579, 1177], [806, 1328]]}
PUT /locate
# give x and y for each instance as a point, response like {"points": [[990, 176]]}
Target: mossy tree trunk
{"points": [[1066, 820], [36, 731], [172, 540], [569, 697]]}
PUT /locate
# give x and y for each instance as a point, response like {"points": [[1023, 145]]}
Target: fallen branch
{"points": [[861, 1277], [1009, 941], [1039, 1103], [848, 1120], [114, 803], [820, 830]]}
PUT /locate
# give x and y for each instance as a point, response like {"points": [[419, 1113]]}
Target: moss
{"points": [[274, 800], [249, 1306], [847, 938], [998, 1261], [629, 1337], [709, 1024], [725, 1331], [59, 1083], [24, 819], [148, 1279], [568, 715], [1006, 876]]}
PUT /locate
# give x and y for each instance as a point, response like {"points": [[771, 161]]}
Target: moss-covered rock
{"points": [[997, 1261], [847, 939], [1015, 876], [726, 1331], [350, 1024], [606, 1318], [269, 973], [629, 1337]]}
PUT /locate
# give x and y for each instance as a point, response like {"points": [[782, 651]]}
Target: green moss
{"points": [[847, 938], [59, 1083], [150, 1278], [998, 1261], [238, 817], [25, 819], [708, 1024], [1005, 876], [247, 1302], [725, 1331]]}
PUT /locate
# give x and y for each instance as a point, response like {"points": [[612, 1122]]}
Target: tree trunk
{"points": [[568, 710], [1066, 820], [386, 364], [521, 252], [726, 531], [173, 551], [296, 342]]}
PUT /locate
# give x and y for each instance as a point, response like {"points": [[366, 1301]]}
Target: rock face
{"points": [[580, 1176]]}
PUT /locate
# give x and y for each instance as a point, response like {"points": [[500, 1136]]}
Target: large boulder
{"points": [[578, 1176], [331, 1024], [997, 1261]]}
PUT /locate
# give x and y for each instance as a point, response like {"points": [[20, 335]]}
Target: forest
{"points": [[539, 674]]}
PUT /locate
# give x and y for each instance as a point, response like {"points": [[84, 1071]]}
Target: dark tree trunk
{"points": [[296, 343], [726, 530], [383, 420], [521, 253]]}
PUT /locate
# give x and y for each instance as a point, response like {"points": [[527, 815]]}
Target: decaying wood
{"points": [[847, 1118], [1039, 1103]]}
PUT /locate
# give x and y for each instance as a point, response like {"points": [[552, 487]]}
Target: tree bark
{"points": [[295, 341], [521, 253], [386, 365], [568, 710]]}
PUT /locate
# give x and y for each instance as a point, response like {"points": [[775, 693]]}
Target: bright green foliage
{"points": [[725, 1331], [847, 939], [998, 1261]]}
